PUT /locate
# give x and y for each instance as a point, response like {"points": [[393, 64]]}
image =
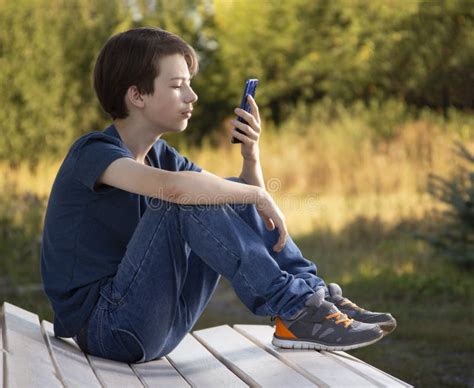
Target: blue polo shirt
{"points": [[87, 228]]}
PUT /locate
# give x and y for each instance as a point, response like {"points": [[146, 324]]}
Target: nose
{"points": [[191, 96]]}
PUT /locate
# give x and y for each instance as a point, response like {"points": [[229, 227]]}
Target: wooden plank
{"points": [[28, 362], [199, 367], [1, 350], [251, 363], [71, 363], [112, 373], [159, 373], [315, 366], [372, 372]]}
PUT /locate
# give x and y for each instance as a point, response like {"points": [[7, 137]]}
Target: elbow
{"points": [[165, 186], [176, 188]]}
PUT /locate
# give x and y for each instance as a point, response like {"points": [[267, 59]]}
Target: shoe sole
{"points": [[387, 329], [296, 344]]}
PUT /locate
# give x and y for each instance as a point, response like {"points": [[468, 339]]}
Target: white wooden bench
{"points": [[221, 356]]}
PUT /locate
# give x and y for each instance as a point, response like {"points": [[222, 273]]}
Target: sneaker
{"points": [[320, 325], [385, 320]]}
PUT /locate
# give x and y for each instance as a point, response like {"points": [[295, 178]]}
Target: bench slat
{"points": [[2, 377], [251, 363], [28, 362], [112, 373], [1, 350], [312, 364], [382, 378], [159, 373], [199, 367], [30, 355], [71, 363]]}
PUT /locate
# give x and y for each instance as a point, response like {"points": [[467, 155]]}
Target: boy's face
{"points": [[164, 109]]}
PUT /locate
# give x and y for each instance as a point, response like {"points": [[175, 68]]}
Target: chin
{"points": [[177, 130]]}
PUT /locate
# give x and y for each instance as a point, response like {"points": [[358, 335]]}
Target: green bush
{"points": [[453, 229], [21, 222]]}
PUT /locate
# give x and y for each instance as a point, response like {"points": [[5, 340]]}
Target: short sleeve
{"points": [[94, 155], [182, 162]]}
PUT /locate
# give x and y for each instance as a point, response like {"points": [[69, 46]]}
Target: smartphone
{"points": [[250, 87]]}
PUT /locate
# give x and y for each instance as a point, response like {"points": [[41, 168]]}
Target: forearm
{"points": [[192, 188], [252, 173]]}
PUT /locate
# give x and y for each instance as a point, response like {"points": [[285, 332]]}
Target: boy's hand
{"points": [[273, 218], [249, 147]]}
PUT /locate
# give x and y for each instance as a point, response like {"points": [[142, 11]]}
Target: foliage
{"points": [[418, 53], [21, 222], [350, 50], [454, 233], [47, 50]]}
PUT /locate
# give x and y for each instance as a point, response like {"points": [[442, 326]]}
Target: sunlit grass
{"points": [[344, 158], [306, 213], [23, 180], [322, 176]]}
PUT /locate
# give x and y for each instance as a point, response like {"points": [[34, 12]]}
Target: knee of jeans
{"points": [[155, 204], [235, 179]]}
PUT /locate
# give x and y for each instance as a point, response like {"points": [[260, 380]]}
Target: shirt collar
{"points": [[111, 130]]}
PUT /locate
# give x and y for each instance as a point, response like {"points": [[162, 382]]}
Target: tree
{"points": [[47, 50], [453, 231], [31, 80]]}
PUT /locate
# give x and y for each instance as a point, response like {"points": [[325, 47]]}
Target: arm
{"points": [[252, 173], [181, 187], [189, 187], [251, 168]]}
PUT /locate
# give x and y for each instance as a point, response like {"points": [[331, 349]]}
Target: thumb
{"points": [[269, 224]]}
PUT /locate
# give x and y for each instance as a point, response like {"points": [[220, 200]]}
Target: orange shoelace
{"points": [[352, 304], [340, 318]]}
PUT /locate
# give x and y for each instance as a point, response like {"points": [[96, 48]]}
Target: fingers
{"points": [[254, 108], [269, 211], [283, 237], [249, 118], [249, 132], [242, 137], [269, 224]]}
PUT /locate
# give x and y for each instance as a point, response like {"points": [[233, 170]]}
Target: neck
{"points": [[138, 139]]}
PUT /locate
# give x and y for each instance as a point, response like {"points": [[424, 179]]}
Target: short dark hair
{"points": [[132, 58]]}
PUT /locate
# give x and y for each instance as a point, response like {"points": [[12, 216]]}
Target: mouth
{"points": [[187, 113]]}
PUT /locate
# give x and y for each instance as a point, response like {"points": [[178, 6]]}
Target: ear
{"points": [[134, 97]]}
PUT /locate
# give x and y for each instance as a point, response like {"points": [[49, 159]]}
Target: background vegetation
{"points": [[361, 102]]}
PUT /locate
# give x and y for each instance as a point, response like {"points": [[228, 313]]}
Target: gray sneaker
{"points": [[385, 320], [320, 325]]}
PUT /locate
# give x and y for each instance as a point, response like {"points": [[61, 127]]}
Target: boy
{"points": [[136, 236]]}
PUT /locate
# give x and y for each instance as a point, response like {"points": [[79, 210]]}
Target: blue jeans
{"points": [[171, 268]]}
